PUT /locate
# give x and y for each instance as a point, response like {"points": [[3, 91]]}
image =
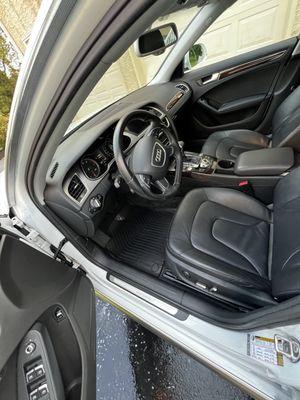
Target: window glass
{"points": [[246, 26], [130, 72]]}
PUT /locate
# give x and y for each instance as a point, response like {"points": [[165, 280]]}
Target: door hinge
{"points": [[32, 236], [59, 255], [15, 226]]}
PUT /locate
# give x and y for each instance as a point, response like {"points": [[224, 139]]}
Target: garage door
{"points": [[250, 24]]}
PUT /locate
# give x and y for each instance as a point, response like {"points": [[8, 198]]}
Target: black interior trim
{"points": [[31, 283]]}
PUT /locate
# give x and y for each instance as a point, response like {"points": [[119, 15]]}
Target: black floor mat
{"points": [[140, 239]]}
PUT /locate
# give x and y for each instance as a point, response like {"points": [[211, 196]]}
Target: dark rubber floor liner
{"points": [[140, 240]]}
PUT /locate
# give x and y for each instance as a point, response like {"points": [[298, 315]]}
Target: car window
{"points": [[245, 26], [131, 72]]}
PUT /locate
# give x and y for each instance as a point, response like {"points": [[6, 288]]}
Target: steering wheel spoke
{"points": [[146, 166], [162, 184], [170, 150], [149, 130], [145, 180]]}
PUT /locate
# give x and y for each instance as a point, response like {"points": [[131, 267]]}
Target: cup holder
{"points": [[226, 164]]}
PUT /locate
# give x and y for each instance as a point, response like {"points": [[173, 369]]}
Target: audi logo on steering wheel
{"points": [[158, 155]]}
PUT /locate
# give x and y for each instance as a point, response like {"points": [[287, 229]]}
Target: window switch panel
{"points": [[34, 395], [31, 376], [43, 391], [39, 371]]}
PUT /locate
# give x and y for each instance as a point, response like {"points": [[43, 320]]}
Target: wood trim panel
{"points": [[251, 64]]}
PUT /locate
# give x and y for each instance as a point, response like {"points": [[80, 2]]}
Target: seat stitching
{"points": [[287, 202], [237, 143], [205, 252], [233, 249], [289, 257], [241, 212]]}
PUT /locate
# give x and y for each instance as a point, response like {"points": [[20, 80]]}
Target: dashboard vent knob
{"points": [[76, 188], [183, 87]]}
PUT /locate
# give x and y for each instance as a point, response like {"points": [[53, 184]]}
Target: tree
{"points": [[9, 68]]}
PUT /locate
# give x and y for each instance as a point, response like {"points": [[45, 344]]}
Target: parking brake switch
{"points": [[289, 347]]}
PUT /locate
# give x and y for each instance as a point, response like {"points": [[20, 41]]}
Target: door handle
{"points": [[210, 78]]}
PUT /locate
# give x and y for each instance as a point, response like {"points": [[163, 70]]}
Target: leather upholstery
{"points": [[227, 240], [265, 162], [286, 122], [228, 145], [286, 237], [285, 133]]}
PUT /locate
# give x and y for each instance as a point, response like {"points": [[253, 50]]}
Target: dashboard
{"points": [[79, 181], [96, 161]]}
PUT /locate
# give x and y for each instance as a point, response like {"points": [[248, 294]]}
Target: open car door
{"points": [[47, 327]]}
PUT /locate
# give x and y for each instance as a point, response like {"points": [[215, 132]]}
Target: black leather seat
{"points": [[228, 145], [231, 246]]}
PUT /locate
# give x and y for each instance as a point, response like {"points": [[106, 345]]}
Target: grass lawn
{"points": [[3, 128]]}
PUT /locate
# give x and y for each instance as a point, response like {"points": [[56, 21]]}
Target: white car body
{"points": [[223, 350]]}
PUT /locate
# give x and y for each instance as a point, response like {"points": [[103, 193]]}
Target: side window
{"points": [[246, 26]]}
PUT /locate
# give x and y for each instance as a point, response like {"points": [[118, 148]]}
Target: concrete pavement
{"points": [[135, 364]]}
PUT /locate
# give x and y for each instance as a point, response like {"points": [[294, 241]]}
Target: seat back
{"points": [[286, 122], [285, 267]]}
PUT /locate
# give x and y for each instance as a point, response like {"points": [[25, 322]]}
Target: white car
{"points": [[138, 169]]}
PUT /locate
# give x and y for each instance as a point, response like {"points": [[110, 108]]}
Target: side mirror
{"points": [[156, 40], [195, 56]]}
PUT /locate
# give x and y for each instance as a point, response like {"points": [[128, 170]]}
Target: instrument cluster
{"points": [[95, 162]]}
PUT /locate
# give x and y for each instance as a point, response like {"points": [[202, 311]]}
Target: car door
{"points": [[241, 92], [47, 326]]}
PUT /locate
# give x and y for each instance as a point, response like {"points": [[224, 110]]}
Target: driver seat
{"points": [[234, 248]]}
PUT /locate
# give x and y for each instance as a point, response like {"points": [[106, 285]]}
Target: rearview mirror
{"points": [[156, 40]]}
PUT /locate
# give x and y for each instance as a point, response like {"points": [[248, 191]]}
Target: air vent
{"points": [[159, 114], [76, 188], [183, 87], [54, 169]]}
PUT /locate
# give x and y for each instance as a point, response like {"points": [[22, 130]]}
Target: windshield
{"points": [[131, 72]]}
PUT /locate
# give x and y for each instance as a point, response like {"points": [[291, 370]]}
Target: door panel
{"points": [[47, 326], [235, 93]]}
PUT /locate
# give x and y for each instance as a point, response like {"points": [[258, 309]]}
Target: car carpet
{"points": [[139, 238]]}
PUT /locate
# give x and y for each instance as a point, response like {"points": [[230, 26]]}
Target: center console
{"points": [[260, 169], [206, 164]]}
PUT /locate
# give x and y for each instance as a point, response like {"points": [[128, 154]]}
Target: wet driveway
{"points": [[135, 364]]}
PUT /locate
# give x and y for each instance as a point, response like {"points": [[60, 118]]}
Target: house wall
{"points": [[16, 19]]}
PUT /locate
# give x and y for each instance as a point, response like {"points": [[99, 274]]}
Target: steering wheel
{"points": [[146, 167]]}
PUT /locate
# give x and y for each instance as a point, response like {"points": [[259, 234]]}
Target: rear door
{"points": [[47, 327], [241, 92]]}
